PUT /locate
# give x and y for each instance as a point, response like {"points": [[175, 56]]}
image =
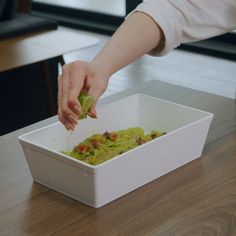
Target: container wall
{"points": [[61, 176], [186, 128], [158, 114], [148, 162]]}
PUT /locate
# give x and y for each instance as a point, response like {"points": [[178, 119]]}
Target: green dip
{"points": [[99, 148]]}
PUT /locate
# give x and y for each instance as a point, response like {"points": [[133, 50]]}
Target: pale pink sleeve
{"points": [[185, 21]]}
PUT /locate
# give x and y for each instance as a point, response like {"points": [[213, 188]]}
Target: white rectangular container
{"points": [[96, 186]]}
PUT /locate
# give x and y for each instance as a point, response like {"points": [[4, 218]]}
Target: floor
{"points": [[200, 72]]}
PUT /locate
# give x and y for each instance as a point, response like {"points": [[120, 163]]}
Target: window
{"points": [[104, 16]]}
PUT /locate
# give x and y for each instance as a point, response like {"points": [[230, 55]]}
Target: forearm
{"points": [[138, 35]]}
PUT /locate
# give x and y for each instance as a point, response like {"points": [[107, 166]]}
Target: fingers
{"points": [[75, 78], [70, 83], [92, 112], [67, 120], [76, 83]]}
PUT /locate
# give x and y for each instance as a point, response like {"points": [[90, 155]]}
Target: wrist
{"points": [[102, 68]]}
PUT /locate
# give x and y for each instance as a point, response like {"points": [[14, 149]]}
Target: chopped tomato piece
{"points": [[82, 148], [113, 136]]}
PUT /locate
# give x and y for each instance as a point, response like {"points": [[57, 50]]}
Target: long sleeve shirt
{"points": [[185, 21]]}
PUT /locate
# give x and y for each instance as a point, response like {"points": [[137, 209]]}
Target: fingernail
{"points": [[93, 115], [77, 110], [72, 118], [69, 127]]}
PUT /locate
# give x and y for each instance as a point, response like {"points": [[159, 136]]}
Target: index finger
{"points": [[76, 83]]}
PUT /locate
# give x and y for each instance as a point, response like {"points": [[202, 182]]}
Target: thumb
{"points": [[96, 93], [92, 112]]}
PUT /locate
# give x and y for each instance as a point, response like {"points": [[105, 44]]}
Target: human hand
{"points": [[78, 77]]}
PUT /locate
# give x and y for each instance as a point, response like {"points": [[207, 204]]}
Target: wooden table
{"points": [[196, 199], [41, 46]]}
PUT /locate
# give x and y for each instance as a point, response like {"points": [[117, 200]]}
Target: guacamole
{"points": [[99, 148]]}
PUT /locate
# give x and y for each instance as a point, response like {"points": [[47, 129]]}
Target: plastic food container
{"points": [[186, 128]]}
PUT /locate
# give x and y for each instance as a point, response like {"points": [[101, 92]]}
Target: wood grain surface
{"points": [[196, 199], [35, 47]]}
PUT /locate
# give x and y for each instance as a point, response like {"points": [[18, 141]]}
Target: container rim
{"points": [[92, 168]]}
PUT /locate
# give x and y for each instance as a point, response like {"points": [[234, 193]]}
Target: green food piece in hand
{"points": [[86, 102]]}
